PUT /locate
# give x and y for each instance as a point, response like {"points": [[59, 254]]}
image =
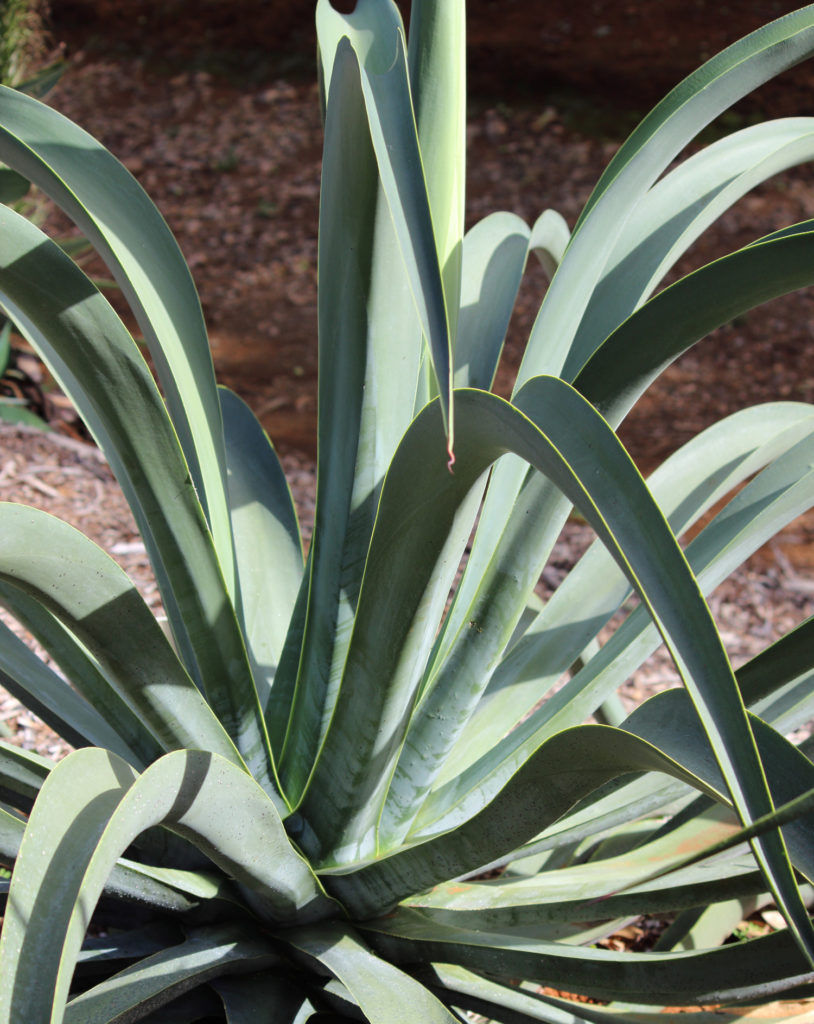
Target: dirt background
{"points": [[623, 51]]}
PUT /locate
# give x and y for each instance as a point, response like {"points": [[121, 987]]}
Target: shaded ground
{"points": [[622, 53]]}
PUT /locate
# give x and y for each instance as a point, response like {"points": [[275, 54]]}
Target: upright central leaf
{"points": [[426, 212], [437, 61], [380, 291], [347, 228]]}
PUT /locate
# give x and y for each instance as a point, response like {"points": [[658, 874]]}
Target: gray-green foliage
{"points": [[284, 812]]}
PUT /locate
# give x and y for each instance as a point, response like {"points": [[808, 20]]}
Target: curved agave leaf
{"points": [[20, 975], [116, 215], [510, 548], [624, 804], [781, 492], [563, 769], [55, 305], [509, 1004], [637, 164], [664, 585], [385, 994], [773, 498], [784, 661], [789, 771], [743, 972], [655, 877], [95, 360], [623, 366], [684, 487], [677, 210], [494, 255], [87, 677], [549, 240], [646, 154], [268, 547], [690, 106], [89, 811], [579, 893], [770, 501], [22, 775], [88, 592], [42, 691], [158, 979], [341, 810]]}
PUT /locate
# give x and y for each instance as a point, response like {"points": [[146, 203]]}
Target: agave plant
{"points": [[326, 791]]}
